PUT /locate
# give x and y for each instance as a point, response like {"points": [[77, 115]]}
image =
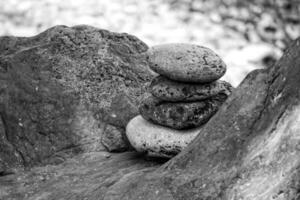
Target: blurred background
{"points": [[246, 34]]}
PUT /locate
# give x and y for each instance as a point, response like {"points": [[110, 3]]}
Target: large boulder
{"points": [[59, 89]]}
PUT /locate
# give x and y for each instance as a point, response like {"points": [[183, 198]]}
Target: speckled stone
{"points": [[168, 90], [179, 115], [157, 140], [71, 81], [186, 62], [114, 139]]}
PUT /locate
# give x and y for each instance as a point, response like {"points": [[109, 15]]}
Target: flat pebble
{"points": [[186, 62], [157, 140], [179, 115], [168, 90]]}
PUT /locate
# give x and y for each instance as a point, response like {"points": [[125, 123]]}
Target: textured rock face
{"points": [[85, 176], [121, 109], [114, 139], [57, 89], [249, 150], [179, 115], [186, 62], [168, 90], [158, 140]]}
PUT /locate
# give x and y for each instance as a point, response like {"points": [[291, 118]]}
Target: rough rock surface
{"points": [[114, 139], [186, 62], [57, 89], [168, 90], [158, 140], [179, 115], [249, 150], [85, 176], [122, 109]]}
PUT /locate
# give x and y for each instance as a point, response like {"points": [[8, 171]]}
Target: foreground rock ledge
{"points": [[85, 176]]}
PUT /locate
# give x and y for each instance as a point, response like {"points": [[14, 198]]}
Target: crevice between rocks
{"points": [[6, 135], [264, 103]]}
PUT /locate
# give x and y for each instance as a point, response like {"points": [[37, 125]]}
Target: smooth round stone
{"points": [[179, 115], [186, 62], [168, 90], [157, 140]]}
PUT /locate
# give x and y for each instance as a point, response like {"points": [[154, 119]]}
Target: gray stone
{"points": [[59, 88], [179, 115], [121, 109], [168, 90], [186, 62], [86, 176], [114, 139], [156, 140], [249, 150]]}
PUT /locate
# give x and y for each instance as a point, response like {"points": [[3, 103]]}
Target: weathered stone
{"points": [[168, 90], [58, 88], [156, 140], [186, 62], [114, 139], [121, 110], [85, 176], [6, 150], [249, 150], [179, 115]]}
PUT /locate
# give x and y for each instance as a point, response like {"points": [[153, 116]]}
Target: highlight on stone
{"points": [[157, 140]]}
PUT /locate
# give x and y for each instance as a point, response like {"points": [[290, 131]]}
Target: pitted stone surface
{"points": [[156, 140], [168, 90], [179, 115], [114, 139], [186, 62], [58, 89]]}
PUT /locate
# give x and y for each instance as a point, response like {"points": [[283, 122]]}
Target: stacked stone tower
{"points": [[183, 97]]}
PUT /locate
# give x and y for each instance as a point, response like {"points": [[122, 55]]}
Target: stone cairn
{"points": [[181, 99]]}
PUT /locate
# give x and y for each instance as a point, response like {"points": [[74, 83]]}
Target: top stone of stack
{"points": [[186, 63]]}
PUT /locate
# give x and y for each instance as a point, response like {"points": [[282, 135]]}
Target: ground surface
{"points": [[153, 21], [86, 176]]}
